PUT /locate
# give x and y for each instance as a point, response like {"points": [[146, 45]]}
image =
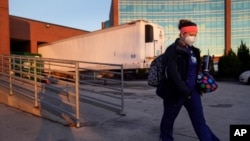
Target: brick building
{"points": [[24, 35]]}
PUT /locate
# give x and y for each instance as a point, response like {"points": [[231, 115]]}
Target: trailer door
{"points": [[151, 42]]}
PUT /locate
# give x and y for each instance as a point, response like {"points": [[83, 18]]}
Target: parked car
{"points": [[245, 77]]}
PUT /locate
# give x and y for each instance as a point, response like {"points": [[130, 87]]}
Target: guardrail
{"points": [[62, 84]]}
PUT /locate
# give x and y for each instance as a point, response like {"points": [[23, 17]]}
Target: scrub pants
{"points": [[195, 111]]}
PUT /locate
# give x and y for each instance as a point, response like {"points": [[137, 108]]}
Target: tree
{"points": [[244, 56], [229, 65]]}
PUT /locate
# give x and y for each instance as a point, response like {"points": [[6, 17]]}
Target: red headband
{"points": [[189, 29]]}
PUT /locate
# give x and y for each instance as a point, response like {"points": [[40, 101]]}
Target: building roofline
{"points": [[22, 18]]}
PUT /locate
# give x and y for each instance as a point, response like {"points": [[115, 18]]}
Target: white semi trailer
{"points": [[134, 45]]}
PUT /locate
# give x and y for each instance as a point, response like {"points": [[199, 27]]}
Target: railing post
{"points": [[20, 66], [77, 93], [28, 68], [122, 91], [10, 74], [49, 68], [35, 82]]}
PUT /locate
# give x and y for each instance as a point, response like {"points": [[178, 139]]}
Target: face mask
{"points": [[190, 40]]}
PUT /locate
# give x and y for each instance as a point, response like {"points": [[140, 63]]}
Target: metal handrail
{"points": [[46, 78]]}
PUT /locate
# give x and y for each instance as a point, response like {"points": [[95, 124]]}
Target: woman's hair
{"points": [[185, 22]]}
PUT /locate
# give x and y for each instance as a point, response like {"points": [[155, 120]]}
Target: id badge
{"points": [[193, 59]]}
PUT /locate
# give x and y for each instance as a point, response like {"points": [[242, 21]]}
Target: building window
{"points": [[149, 33]]}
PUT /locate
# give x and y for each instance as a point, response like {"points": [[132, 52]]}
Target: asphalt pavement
{"points": [[228, 105]]}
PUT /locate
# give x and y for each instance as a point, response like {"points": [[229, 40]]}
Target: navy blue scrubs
{"points": [[193, 106]]}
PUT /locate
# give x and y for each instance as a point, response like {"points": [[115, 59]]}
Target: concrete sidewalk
{"points": [[230, 104]]}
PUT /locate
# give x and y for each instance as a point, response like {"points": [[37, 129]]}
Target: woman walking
{"points": [[179, 88]]}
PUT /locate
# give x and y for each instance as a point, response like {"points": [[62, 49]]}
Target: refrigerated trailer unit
{"points": [[134, 45]]}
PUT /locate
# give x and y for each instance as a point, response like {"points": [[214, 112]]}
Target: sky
{"points": [[80, 14]]}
